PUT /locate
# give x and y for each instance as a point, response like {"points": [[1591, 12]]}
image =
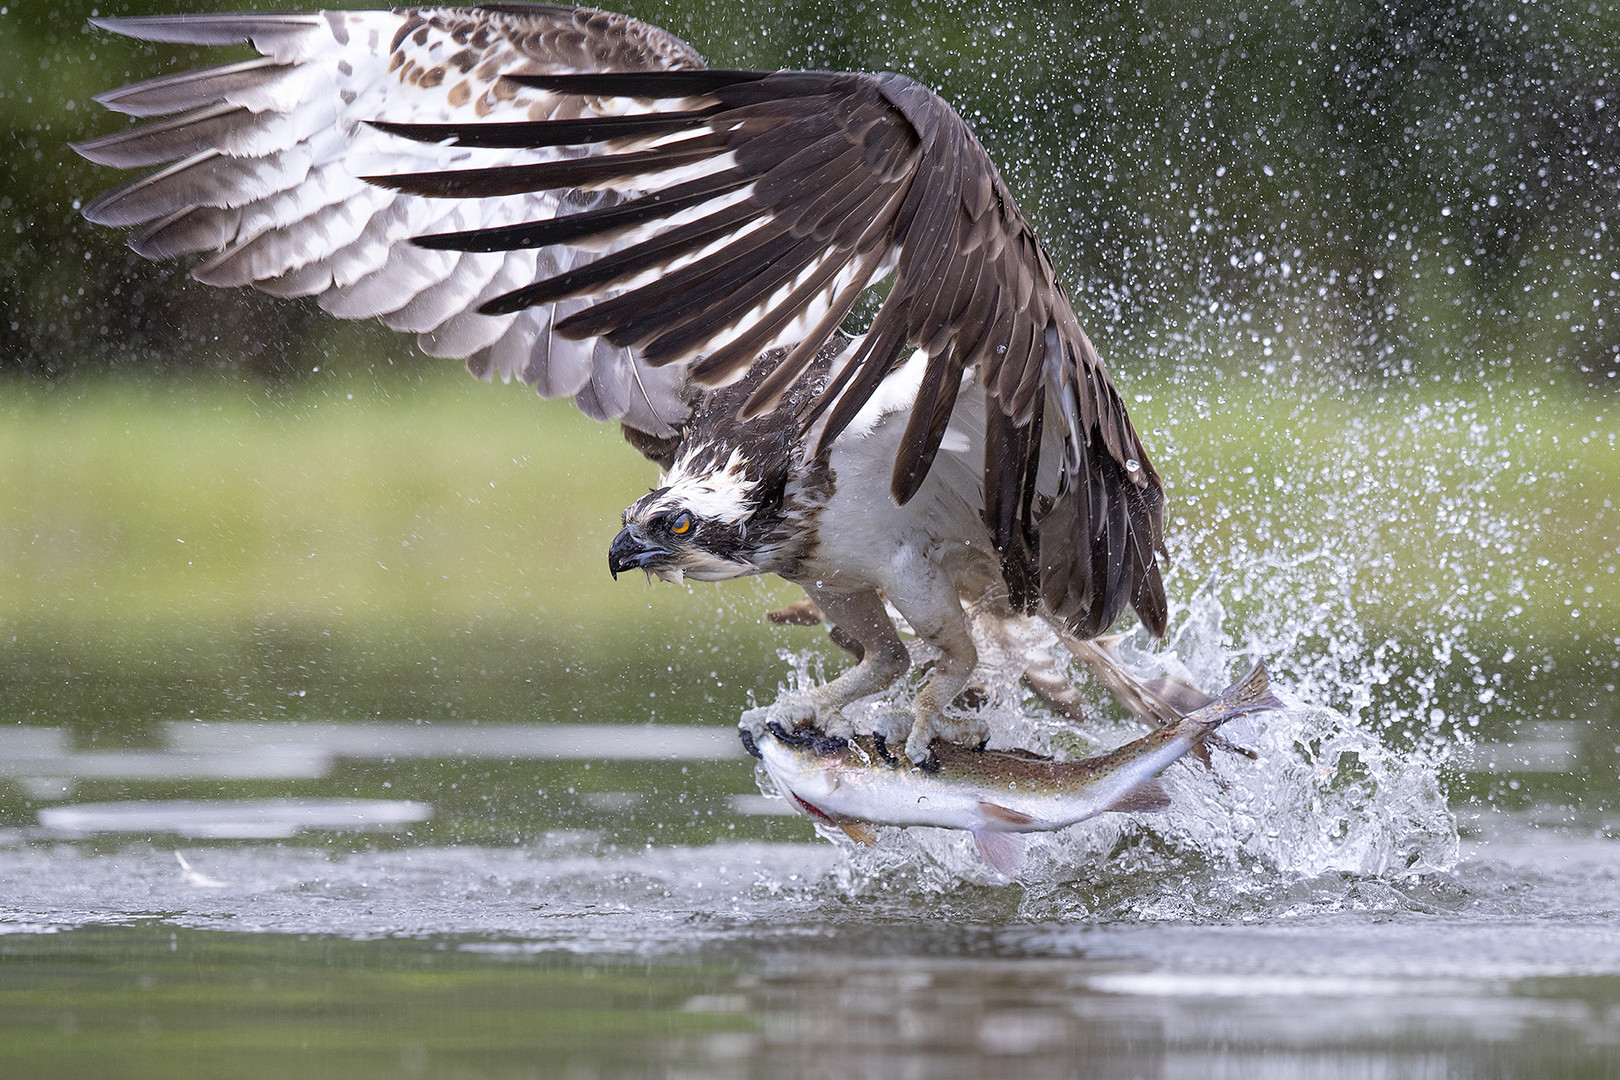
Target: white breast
{"points": [[862, 533]]}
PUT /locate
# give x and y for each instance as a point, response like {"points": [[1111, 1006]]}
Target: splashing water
{"points": [[1409, 562], [1399, 556], [1325, 799]]}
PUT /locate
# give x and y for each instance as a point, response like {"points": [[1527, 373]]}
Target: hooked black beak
{"points": [[631, 552]]}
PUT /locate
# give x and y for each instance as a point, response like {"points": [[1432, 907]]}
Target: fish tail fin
{"points": [[1145, 798], [1002, 852], [1250, 694]]}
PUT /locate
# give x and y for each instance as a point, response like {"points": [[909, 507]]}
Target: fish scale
{"points": [[993, 794]]}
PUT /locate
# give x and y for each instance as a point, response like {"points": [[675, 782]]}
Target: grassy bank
{"points": [[216, 547]]}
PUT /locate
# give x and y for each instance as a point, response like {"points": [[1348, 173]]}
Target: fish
{"points": [[996, 795]]}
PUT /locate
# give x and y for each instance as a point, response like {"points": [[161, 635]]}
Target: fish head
{"points": [[806, 768]]}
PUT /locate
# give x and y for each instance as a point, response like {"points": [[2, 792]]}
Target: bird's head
{"points": [[704, 523]]}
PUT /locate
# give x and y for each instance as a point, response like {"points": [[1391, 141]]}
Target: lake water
{"points": [[275, 899]]}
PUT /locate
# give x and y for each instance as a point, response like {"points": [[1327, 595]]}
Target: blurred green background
{"points": [[1424, 187], [1351, 264]]}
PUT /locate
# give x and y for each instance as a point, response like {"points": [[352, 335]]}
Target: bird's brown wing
{"points": [[758, 206], [596, 213]]}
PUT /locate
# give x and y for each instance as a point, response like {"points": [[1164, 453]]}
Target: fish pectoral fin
{"points": [[1146, 798], [1002, 852], [1005, 814], [862, 832]]}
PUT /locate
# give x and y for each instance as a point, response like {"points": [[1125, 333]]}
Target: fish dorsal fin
{"points": [[1002, 852], [1144, 798], [1004, 814], [862, 832]]}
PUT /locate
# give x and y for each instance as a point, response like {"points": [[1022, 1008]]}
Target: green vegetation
{"points": [[424, 545], [171, 548], [1428, 186], [219, 501]]}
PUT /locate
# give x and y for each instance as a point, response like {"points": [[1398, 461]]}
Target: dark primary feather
{"points": [[531, 134], [795, 191], [834, 159], [652, 84], [607, 221], [548, 175]]}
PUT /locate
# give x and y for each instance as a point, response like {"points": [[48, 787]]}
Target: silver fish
{"points": [[994, 794]]}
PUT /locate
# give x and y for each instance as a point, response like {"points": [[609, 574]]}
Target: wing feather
{"points": [[259, 165], [265, 29], [597, 214]]}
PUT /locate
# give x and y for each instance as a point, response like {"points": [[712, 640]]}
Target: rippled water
{"points": [[526, 900], [758, 958]]}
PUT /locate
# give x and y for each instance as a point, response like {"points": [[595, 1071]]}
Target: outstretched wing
{"points": [[260, 165], [680, 222]]}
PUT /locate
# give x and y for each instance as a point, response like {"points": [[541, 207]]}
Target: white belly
{"points": [[865, 540]]}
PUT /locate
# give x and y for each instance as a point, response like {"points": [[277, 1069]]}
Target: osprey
{"points": [[571, 198]]}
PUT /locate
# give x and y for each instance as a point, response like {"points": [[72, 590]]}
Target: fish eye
{"points": [[681, 525]]}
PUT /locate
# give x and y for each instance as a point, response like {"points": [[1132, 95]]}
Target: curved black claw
{"points": [[929, 764], [810, 740], [881, 745], [748, 742]]}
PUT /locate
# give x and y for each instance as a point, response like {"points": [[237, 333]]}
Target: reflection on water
{"points": [[348, 926], [738, 960], [302, 751], [231, 819], [273, 899]]}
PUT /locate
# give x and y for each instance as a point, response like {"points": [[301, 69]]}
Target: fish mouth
{"points": [[811, 810]]}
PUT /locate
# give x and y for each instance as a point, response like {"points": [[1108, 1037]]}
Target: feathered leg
{"points": [[928, 600], [805, 613], [884, 659]]}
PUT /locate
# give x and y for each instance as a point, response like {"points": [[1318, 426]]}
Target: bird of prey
{"points": [[571, 198]]}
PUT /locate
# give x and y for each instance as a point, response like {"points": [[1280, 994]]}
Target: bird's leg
{"points": [[806, 613], [934, 610], [802, 612], [1009, 635], [884, 659]]}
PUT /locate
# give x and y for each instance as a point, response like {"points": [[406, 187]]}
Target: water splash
{"points": [[1413, 559], [1326, 799]]}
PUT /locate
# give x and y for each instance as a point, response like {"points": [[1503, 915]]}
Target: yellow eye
{"points": [[683, 524]]}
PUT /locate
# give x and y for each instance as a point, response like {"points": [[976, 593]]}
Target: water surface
{"points": [[397, 907]]}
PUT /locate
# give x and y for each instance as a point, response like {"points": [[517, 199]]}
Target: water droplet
{"points": [[1133, 465]]}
